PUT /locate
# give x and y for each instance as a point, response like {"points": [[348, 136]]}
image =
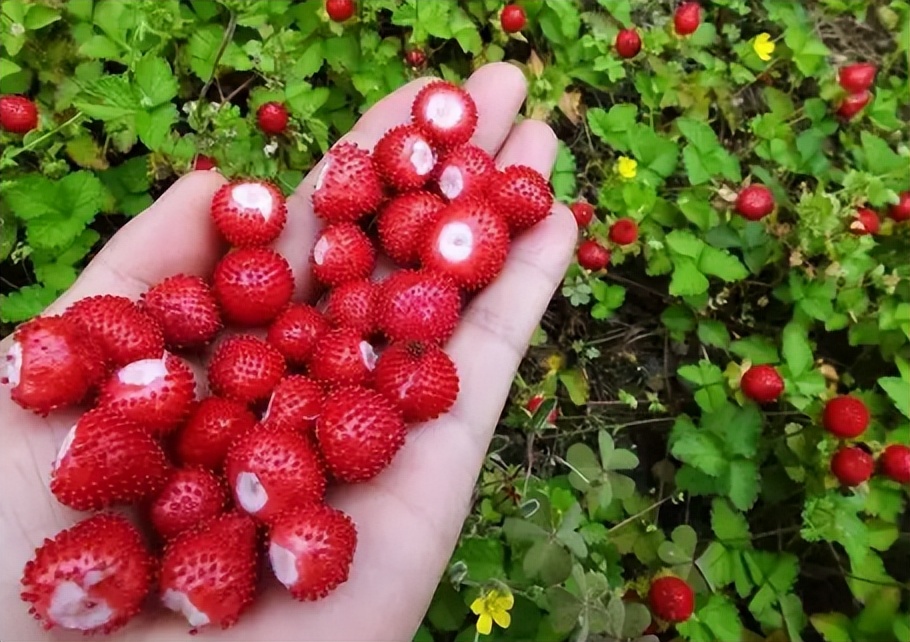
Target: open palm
{"points": [[409, 517]]}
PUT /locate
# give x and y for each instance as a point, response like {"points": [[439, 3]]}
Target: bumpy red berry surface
{"points": [[853, 105], [445, 113], [208, 432], [208, 573], [420, 379], [404, 158], [50, 365], [335, 199], [513, 18], [465, 171], [845, 417], [403, 222], [628, 43], [189, 497], [204, 163], [339, 10], [245, 369], [342, 253], [535, 402], [592, 255], [754, 202], [92, 577], [353, 305], [857, 78], [469, 242], [415, 58], [895, 463], [762, 384], [418, 306], [624, 231], [900, 211], [295, 404], [852, 465], [521, 196], [185, 308], [583, 213], [156, 394], [249, 212], [272, 118], [687, 18], [252, 285], [119, 327], [865, 222], [671, 599], [359, 432], [342, 356], [105, 460], [295, 332], [18, 114]]}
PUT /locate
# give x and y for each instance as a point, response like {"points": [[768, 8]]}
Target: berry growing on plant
{"points": [[521, 196], [512, 18], [252, 285], [852, 465], [249, 213], [403, 222], [895, 463], [208, 432], [190, 496], [345, 165], [671, 599], [845, 417], [185, 308], [245, 369], [762, 384], [900, 212], [446, 114], [466, 170], [295, 332], [404, 158], [418, 306], [339, 10], [754, 202], [853, 105], [535, 402], [624, 231], [415, 58], [583, 213], [628, 43], [866, 222], [687, 18], [203, 162], [18, 114], [118, 326], [593, 256], [342, 253], [857, 78], [272, 118], [420, 379]]}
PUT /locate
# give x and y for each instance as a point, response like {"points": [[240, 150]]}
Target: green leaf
{"points": [[741, 482], [55, 275], [729, 526], [699, 449], [796, 349], [716, 565], [30, 196], [447, 610], [548, 561], [757, 349], [40, 16], [833, 627], [108, 98], [585, 467], [722, 264], [622, 11], [612, 458], [833, 518], [576, 384], [898, 390], [564, 608], [687, 280], [563, 178], [26, 302], [613, 126], [483, 557], [154, 127], [155, 80]]}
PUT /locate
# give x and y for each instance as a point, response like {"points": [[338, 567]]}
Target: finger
{"points": [[498, 89], [175, 234]]}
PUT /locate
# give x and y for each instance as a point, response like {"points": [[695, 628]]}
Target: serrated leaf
{"points": [[25, 303], [716, 565], [701, 450], [899, 391], [155, 81], [729, 526], [796, 349], [722, 264], [613, 126], [833, 627], [687, 280], [740, 480]]}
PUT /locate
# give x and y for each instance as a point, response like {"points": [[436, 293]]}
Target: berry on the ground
{"points": [[852, 465], [342, 253], [403, 222], [466, 170], [624, 231], [592, 255], [336, 199], [628, 43], [295, 332], [272, 118], [295, 404], [687, 18], [754, 202], [342, 356], [857, 78], [190, 496], [521, 196], [762, 384], [420, 379], [249, 212], [845, 417], [245, 369], [446, 113], [404, 158], [120, 328], [895, 463], [185, 308], [671, 599], [18, 114], [212, 426], [513, 18], [252, 285], [418, 306]]}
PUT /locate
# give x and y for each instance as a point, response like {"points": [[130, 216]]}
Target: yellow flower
{"points": [[493, 606], [627, 167], [763, 46]]}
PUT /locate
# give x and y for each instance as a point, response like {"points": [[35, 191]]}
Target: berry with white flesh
{"points": [[342, 356], [295, 404], [245, 368], [119, 327], [762, 384], [404, 158], [895, 463], [208, 573], [593, 256], [190, 496], [353, 305], [687, 18], [866, 222], [754, 202], [208, 433], [857, 78], [420, 379], [521, 196], [469, 242], [627, 43], [359, 432], [271, 470], [342, 253], [347, 186], [418, 306], [50, 365], [671, 599], [311, 549], [624, 231], [185, 308], [846, 417], [445, 113], [106, 459], [249, 212], [295, 332], [853, 105], [252, 285], [403, 222], [156, 394], [466, 170], [272, 118], [92, 577], [852, 465]]}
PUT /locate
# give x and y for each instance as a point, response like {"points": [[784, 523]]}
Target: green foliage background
{"points": [[657, 461]]}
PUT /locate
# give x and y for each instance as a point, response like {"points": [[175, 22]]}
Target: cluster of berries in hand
{"points": [[324, 394], [591, 253]]}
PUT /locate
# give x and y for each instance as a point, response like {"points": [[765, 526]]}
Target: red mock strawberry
{"points": [[535, 402], [419, 378], [895, 463], [342, 253], [92, 577], [853, 105], [762, 384], [208, 573], [51, 365], [687, 18], [624, 231], [754, 202], [156, 394], [311, 549], [353, 305], [339, 10], [245, 369], [18, 114], [512, 18], [628, 43], [846, 417], [212, 425], [416, 58], [272, 118], [190, 496], [249, 212], [106, 459], [583, 213], [521, 196], [593, 256], [342, 356], [295, 331], [418, 306], [866, 222], [347, 186], [120, 328], [466, 170], [359, 432], [671, 599], [252, 285], [446, 114], [295, 404], [852, 465], [901, 211], [857, 78], [404, 158], [271, 470], [403, 222], [185, 308], [469, 242], [204, 163]]}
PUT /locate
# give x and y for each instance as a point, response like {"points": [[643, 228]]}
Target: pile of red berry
{"points": [[314, 396]]}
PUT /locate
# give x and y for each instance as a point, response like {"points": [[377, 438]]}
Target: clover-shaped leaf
{"points": [[679, 554], [599, 479]]}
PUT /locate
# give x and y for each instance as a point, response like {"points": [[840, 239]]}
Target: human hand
{"points": [[409, 517]]}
